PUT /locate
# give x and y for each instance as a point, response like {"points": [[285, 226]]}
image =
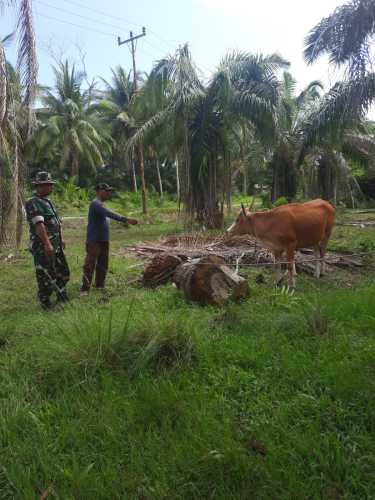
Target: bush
{"points": [[280, 201], [266, 200], [69, 192], [84, 350]]}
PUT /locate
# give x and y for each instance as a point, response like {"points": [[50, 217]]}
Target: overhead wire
{"points": [[42, 2], [117, 18], [79, 15], [74, 24], [103, 23]]}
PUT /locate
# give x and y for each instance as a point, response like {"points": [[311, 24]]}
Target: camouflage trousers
{"points": [[52, 274]]}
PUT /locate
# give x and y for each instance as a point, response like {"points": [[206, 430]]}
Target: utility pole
{"points": [[131, 40]]}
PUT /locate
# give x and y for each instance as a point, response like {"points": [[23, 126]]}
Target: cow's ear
{"points": [[243, 209]]}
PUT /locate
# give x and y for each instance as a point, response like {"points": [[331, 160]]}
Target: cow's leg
{"points": [[322, 252], [317, 262], [290, 258], [323, 248], [279, 276], [294, 268]]}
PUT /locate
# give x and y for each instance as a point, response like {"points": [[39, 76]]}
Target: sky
{"points": [[87, 30]]}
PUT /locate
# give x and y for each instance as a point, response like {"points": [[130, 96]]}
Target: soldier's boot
{"points": [[46, 304]]}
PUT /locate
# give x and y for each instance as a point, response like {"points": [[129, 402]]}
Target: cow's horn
{"points": [[243, 209]]}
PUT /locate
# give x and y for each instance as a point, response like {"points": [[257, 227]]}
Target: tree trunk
{"points": [[74, 166], [143, 182], [135, 187], [210, 281], [160, 270], [178, 182], [245, 181], [188, 190], [11, 227], [159, 178], [20, 203], [3, 84]]}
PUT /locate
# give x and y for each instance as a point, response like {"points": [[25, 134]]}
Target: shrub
{"points": [[81, 350], [280, 201], [266, 200]]}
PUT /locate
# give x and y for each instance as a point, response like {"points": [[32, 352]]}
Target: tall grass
{"points": [[147, 397]]}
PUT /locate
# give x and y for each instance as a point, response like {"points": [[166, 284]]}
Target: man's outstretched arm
{"points": [[112, 215]]}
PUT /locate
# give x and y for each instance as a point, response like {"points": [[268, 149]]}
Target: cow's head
{"points": [[242, 225]]}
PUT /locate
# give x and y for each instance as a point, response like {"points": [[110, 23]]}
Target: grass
{"points": [[137, 394]]}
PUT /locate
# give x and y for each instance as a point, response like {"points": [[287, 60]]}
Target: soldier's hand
{"points": [[63, 244], [132, 222], [49, 250]]}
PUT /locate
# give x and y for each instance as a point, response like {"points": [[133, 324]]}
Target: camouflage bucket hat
{"points": [[43, 178]]}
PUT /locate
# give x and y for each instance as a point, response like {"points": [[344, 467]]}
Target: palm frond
{"points": [[27, 62], [345, 36], [310, 93], [148, 127], [359, 147], [344, 105]]}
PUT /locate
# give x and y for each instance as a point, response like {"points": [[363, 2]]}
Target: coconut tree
{"points": [[114, 107], [70, 123], [13, 143]]}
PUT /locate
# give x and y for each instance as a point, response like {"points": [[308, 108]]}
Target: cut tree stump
{"points": [[160, 270], [209, 281]]}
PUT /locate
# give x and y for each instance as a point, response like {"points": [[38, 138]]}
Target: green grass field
{"points": [[136, 394]]}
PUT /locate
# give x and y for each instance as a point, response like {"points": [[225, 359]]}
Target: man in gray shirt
{"points": [[97, 242]]}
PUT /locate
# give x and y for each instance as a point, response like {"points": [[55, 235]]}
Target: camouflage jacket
{"points": [[42, 210]]}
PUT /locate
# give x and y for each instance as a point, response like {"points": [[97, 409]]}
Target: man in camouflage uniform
{"points": [[46, 242]]}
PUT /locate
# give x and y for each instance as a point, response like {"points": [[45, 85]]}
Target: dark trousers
{"points": [[52, 274], [96, 260]]}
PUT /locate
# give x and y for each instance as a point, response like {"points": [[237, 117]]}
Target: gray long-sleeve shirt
{"points": [[98, 226]]}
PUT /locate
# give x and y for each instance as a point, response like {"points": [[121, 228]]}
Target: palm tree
{"points": [[245, 87], [114, 107], [346, 37], [291, 110], [70, 123], [27, 63], [12, 154], [13, 144]]}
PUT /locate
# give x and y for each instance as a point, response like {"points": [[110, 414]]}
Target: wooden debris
{"points": [[160, 270], [236, 251], [357, 223], [209, 280]]}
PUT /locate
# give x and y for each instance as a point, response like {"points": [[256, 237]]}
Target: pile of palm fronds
{"points": [[236, 251]]}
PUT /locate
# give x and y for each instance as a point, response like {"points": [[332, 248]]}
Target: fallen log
{"points": [[160, 270], [208, 280]]}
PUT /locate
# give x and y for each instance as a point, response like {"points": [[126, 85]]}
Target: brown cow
{"points": [[286, 228]]}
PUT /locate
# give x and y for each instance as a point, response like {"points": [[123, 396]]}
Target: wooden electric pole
{"points": [[131, 40]]}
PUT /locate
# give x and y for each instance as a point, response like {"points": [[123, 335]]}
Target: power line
{"points": [[78, 15], [155, 47], [99, 22], [94, 30], [83, 6], [76, 25], [102, 13]]}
